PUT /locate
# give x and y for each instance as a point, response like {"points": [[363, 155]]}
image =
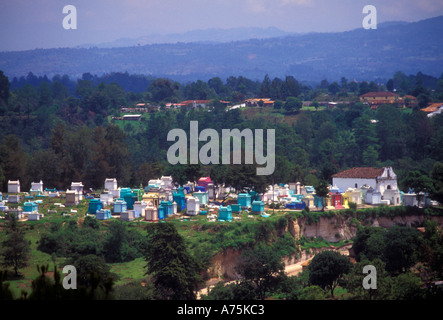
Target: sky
{"points": [[31, 24]]}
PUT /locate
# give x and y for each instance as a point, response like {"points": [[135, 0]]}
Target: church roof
{"points": [[360, 173]]}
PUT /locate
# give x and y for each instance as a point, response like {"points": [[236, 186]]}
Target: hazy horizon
{"points": [[27, 25]]}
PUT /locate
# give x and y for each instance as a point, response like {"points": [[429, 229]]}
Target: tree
{"points": [[217, 84], [291, 87], [45, 288], [5, 291], [420, 134], [390, 85], [45, 94], [148, 171], [437, 181], [333, 88], [322, 190], [91, 222], [262, 266], [244, 177], [265, 88], [45, 165], [172, 268], [233, 291], [116, 247], [13, 158], [343, 83], [363, 88], [366, 139], [162, 89], [315, 104], [220, 292], [407, 286], [15, 251], [278, 104], [218, 173], [99, 168], [432, 248], [368, 243], [420, 183], [391, 131], [4, 88], [354, 280], [400, 252], [90, 264], [118, 154], [312, 293], [293, 104], [423, 100], [193, 171], [178, 173], [327, 268], [324, 84]]}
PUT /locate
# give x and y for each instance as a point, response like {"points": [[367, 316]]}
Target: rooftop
{"points": [[379, 94], [195, 101], [360, 172], [432, 107]]}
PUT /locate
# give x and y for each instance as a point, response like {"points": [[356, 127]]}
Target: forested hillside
{"points": [[61, 130]]}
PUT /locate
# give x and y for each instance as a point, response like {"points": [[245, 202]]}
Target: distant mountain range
{"points": [[207, 35], [357, 54]]}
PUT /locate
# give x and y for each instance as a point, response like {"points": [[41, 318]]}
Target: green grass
{"points": [[129, 271], [136, 126], [36, 258], [310, 108]]}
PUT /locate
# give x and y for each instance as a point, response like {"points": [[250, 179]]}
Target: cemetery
{"points": [[161, 199]]}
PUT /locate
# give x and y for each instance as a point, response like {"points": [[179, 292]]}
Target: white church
{"points": [[381, 182]]}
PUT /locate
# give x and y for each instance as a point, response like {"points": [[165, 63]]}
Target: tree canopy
{"points": [[327, 268], [174, 270]]}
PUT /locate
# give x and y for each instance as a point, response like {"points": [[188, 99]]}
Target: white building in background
{"points": [[37, 186], [379, 179], [106, 198], [167, 182], [72, 198], [112, 186], [78, 186], [192, 206], [13, 186]]}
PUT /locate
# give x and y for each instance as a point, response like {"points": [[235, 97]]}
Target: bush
{"points": [[352, 206]]}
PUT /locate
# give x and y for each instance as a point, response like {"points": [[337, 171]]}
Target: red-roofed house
{"points": [[256, 102], [379, 179], [433, 109], [375, 99], [196, 103]]}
